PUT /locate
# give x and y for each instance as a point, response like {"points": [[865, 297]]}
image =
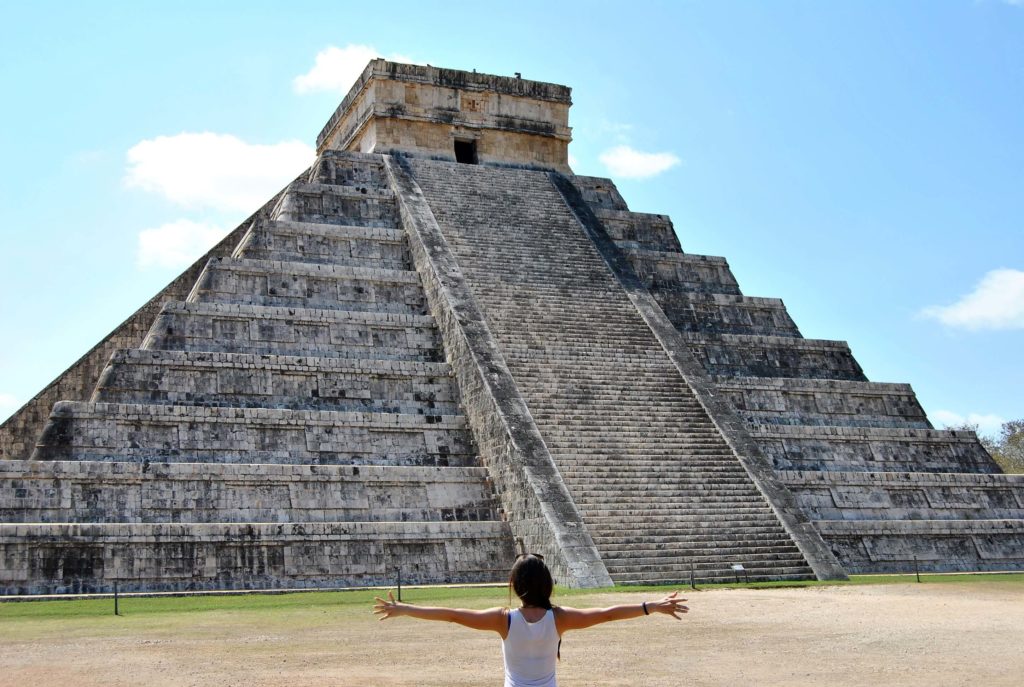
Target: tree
{"points": [[1008, 448]]}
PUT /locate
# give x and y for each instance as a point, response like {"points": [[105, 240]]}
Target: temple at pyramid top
{"points": [[453, 115]]}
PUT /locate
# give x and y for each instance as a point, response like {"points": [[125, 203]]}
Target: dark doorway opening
{"points": [[465, 152]]}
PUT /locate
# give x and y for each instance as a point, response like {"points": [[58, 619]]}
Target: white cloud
{"points": [[177, 244], [987, 424], [8, 404], [997, 302], [573, 162], [336, 69], [218, 171], [628, 163]]}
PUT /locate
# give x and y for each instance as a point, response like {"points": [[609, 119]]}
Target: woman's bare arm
{"points": [[492, 619], [580, 618]]}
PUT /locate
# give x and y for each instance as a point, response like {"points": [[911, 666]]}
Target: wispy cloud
{"points": [[997, 302], [336, 69], [987, 424], [628, 163], [217, 171], [176, 244]]}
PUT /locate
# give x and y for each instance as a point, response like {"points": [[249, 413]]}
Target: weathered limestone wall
{"points": [[886, 546], [314, 243], [292, 331], [417, 110], [85, 558], [907, 495], [872, 449], [787, 400], [540, 511], [196, 434], [255, 381], [84, 492]]}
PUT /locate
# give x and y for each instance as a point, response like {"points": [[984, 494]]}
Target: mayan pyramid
{"points": [[437, 347]]}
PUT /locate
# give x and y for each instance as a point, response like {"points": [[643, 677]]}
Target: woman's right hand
{"points": [[387, 609]]}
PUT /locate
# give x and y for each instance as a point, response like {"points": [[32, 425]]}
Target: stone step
{"points": [[331, 204], [695, 541], [95, 492], [325, 244], [306, 285], [709, 516], [872, 449], [88, 558], [272, 381], [191, 434], [256, 329], [747, 558], [721, 574], [778, 546], [629, 500]]}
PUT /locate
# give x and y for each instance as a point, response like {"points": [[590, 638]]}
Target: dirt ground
{"points": [[898, 635]]}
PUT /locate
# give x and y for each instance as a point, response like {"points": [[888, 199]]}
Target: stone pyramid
{"points": [[438, 346]]}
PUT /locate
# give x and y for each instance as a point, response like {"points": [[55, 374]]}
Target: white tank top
{"points": [[530, 651]]}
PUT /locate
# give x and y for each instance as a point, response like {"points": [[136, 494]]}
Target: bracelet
{"points": [[646, 612]]}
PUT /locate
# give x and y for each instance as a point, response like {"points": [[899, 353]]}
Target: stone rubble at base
{"points": [[406, 363]]}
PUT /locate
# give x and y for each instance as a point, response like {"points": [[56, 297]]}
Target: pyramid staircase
{"points": [[658, 488], [292, 423], [886, 490]]}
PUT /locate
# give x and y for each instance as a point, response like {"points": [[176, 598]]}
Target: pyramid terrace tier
{"points": [[256, 329], [639, 230], [599, 193], [343, 205], [872, 449], [666, 271], [341, 168], [906, 495], [718, 313], [89, 558], [191, 434], [83, 492], [325, 244], [789, 401], [276, 381], [314, 286], [743, 355], [888, 546]]}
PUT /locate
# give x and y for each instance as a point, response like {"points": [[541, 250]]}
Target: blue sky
{"points": [[861, 160]]}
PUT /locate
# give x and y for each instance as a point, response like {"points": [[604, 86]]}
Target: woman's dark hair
{"points": [[531, 580]]}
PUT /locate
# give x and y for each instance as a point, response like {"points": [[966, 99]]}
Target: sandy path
{"points": [[900, 635]]}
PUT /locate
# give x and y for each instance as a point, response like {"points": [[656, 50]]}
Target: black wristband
{"points": [[646, 612]]}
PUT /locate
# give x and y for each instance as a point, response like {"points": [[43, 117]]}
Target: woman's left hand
{"points": [[670, 605]]}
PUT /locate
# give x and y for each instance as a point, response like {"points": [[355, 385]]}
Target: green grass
{"points": [[462, 596]]}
